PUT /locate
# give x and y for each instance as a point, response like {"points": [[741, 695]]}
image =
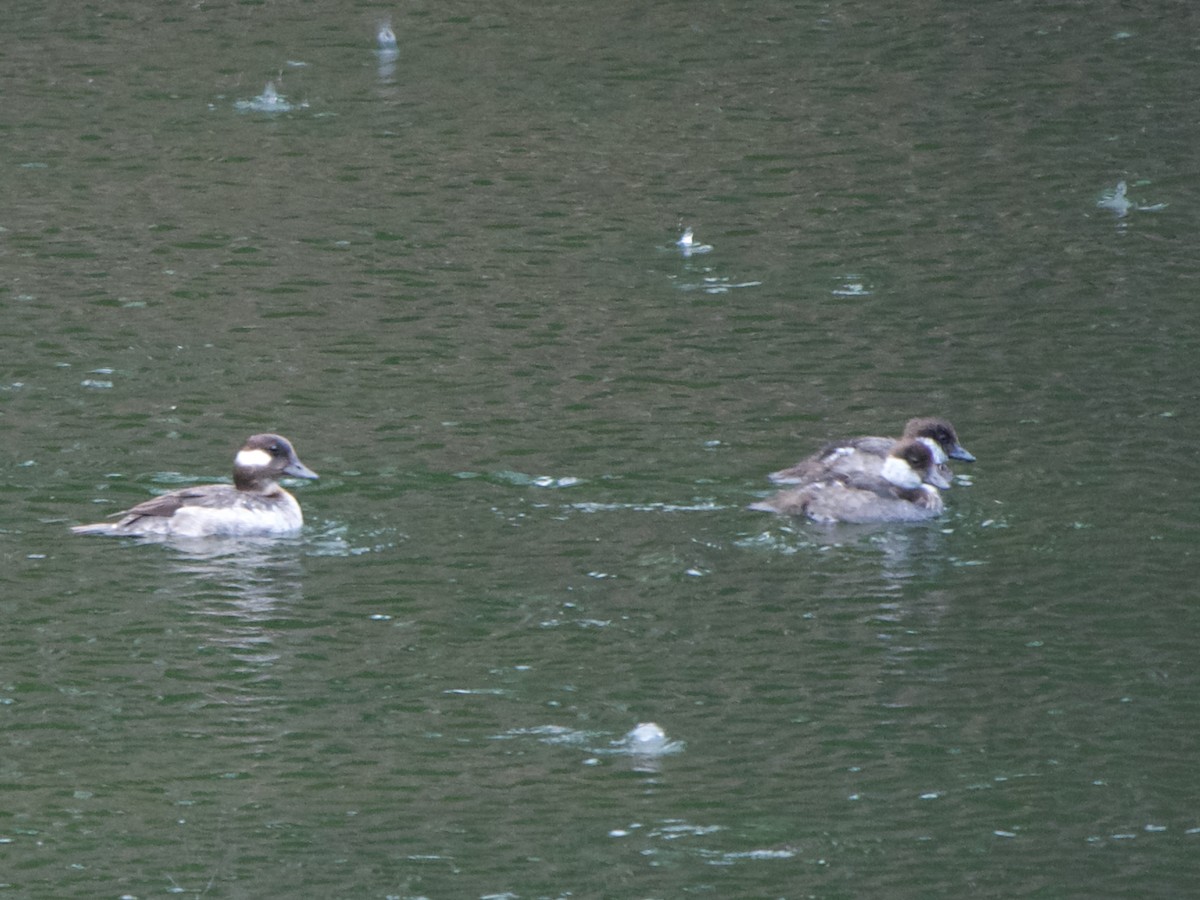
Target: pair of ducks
{"points": [[872, 479], [864, 479]]}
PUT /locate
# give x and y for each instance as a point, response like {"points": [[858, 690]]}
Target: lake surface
{"points": [[450, 278]]}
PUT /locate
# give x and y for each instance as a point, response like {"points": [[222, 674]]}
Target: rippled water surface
{"points": [[450, 276]]}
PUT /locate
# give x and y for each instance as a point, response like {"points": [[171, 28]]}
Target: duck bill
{"points": [[938, 476], [958, 451], [298, 469]]}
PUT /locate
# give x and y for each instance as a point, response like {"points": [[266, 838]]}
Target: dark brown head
{"points": [[908, 463], [264, 459], [942, 434]]}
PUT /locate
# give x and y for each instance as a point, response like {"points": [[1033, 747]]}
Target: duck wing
{"points": [[876, 446], [835, 458], [870, 483], [166, 505]]}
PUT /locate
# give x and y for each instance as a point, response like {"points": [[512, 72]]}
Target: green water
{"points": [[451, 281]]}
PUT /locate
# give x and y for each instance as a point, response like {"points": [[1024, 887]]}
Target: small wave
{"points": [[702, 506]]}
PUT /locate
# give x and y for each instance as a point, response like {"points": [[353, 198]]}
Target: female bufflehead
{"points": [[867, 454], [254, 504], [900, 492]]}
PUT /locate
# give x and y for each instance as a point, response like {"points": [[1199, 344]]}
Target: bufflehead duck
{"points": [[1116, 200], [688, 245], [867, 455], [254, 504], [900, 492]]}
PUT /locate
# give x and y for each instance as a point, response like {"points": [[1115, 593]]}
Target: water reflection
{"points": [[715, 284], [238, 586], [851, 285], [708, 282], [895, 554]]}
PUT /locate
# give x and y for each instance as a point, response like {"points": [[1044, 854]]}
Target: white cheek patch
{"points": [[939, 455], [899, 473], [253, 459]]}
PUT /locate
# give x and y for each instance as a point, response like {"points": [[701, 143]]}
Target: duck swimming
{"points": [[867, 455], [899, 492], [688, 244], [254, 504]]}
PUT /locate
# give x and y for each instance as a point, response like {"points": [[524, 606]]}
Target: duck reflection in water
{"points": [[239, 586]]}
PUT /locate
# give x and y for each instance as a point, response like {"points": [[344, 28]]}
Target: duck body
{"points": [[254, 505], [867, 455], [899, 492], [829, 502]]}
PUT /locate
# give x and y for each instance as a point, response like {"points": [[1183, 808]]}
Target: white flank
{"points": [[900, 473], [253, 459]]}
